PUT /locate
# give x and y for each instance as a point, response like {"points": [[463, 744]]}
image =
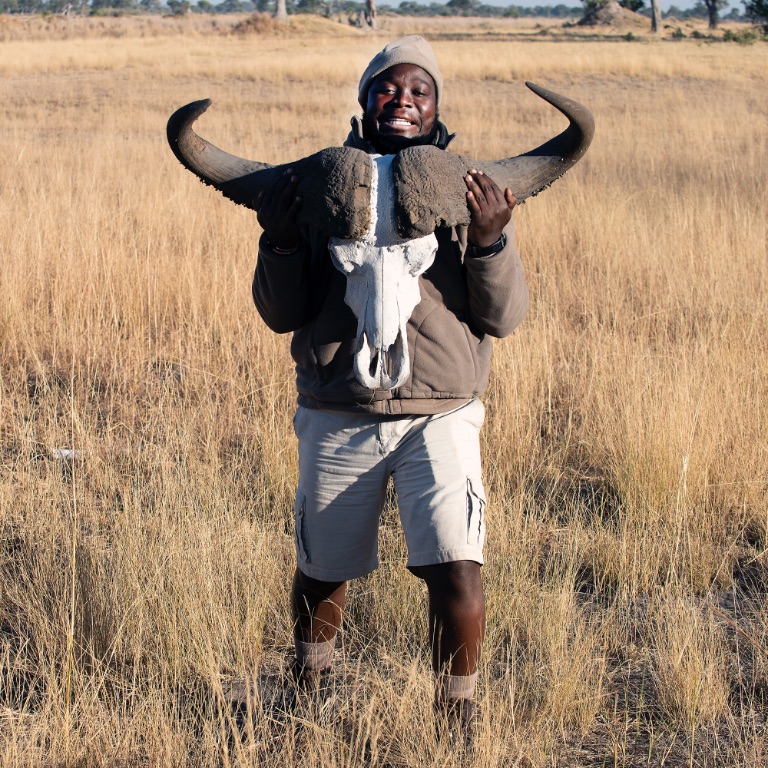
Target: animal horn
{"points": [[334, 184], [527, 175], [238, 179]]}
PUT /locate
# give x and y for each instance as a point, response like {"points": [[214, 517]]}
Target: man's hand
{"points": [[491, 209], [276, 211]]}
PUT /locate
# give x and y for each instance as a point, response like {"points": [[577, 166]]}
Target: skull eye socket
{"points": [[345, 266], [347, 255], [419, 254], [415, 267]]}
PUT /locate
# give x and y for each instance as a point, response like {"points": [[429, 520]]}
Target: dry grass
{"points": [[625, 447]]}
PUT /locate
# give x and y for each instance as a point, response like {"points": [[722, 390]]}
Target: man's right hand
{"points": [[276, 210]]}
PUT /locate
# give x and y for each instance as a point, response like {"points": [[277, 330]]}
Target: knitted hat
{"points": [[411, 49]]}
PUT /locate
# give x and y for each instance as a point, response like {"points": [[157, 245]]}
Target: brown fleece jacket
{"points": [[463, 303]]}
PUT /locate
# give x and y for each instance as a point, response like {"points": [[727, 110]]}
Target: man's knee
{"points": [[458, 586], [322, 590]]}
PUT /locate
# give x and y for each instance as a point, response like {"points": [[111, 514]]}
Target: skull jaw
{"points": [[382, 367]]}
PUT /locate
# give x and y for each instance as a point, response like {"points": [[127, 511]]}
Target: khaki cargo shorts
{"points": [[345, 462]]}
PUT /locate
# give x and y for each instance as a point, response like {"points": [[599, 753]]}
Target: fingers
{"points": [[484, 194], [277, 208], [293, 210], [285, 191], [480, 187], [510, 198], [281, 197], [475, 191], [490, 209], [485, 186]]}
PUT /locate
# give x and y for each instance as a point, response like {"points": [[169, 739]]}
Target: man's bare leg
{"points": [[457, 628], [317, 608], [456, 616]]}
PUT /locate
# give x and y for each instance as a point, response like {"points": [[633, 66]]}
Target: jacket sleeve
{"points": [[281, 287], [498, 293]]}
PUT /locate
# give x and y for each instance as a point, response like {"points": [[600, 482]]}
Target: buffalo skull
{"points": [[380, 214], [382, 272]]}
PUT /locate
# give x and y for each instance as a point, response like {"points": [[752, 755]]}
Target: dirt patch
{"points": [[614, 16]]}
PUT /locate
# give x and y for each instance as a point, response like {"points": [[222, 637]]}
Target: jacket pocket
{"points": [[475, 513], [300, 527], [445, 361]]}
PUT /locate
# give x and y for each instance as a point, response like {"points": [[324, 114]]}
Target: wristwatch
{"points": [[489, 250]]}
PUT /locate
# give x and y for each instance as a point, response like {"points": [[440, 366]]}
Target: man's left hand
{"points": [[490, 208]]}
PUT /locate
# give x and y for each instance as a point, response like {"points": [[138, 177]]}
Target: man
{"points": [[424, 434]]}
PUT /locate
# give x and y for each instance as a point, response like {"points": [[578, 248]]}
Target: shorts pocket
{"points": [[475, 513], [300, 527]]}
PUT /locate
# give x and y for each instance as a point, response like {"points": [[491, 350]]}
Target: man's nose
{"points": [[403, 98]]}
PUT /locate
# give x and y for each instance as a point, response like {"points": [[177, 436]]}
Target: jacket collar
{"points": [[356, 139]]}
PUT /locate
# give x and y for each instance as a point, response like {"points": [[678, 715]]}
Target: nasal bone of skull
{"points": [[382, 291], [377, 368]]}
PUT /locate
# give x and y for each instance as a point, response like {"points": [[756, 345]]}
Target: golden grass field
{"points": [[625, 448]]}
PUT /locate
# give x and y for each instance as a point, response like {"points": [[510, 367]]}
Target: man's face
{"points": [[401, 106]]}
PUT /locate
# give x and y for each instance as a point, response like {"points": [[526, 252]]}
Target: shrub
{"points": [[744, 37], [757, 11], [256, 23]]}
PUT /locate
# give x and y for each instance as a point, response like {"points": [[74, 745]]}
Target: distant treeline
{"points": [[320, 7], [330, 8], [468, 8]]}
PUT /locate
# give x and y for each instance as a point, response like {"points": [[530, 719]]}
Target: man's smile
{"points": [[396, 123]]}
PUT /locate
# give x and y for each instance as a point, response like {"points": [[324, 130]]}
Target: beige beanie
{"points": [[411, 49]]}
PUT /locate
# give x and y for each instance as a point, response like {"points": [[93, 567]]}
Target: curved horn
{"points": [[430, 182], [210, 164], [527, 175], [334, 184]]}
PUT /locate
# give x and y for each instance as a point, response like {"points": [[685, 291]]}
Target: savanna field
{"points": [[147, 459]]}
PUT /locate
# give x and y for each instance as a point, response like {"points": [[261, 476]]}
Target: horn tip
{"points": [[197, 108]]}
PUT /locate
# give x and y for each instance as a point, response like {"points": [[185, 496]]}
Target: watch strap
{"points": [[489, 250]]}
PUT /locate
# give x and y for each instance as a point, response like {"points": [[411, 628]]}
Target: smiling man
{"points": [[423, 434], [401, 107]]}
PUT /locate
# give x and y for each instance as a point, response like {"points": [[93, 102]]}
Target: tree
{"points": [[655, 16], [462, 7], [370, 13], [281, 12], [310, 6], [713, 7], [591, 7], [109, 6], [757, 11], [178, 7], [632, 5]]}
